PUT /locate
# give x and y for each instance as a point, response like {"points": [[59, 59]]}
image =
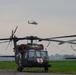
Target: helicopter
{"points": [[31, 54], [35, 23]]}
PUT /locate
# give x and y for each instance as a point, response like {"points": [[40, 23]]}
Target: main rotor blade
{"points": [[60, 41], [15, 30], [11, 37], [12, 34], [62, 37], [72, 40], [53, 40], [36, 38], [8, 45], [4, 41]]}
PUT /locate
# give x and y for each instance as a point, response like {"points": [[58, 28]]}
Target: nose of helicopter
{"points": [[40, 60], [36, 60]]}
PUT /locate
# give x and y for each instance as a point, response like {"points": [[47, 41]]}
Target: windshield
{"points": [[38, 54], [31, 54], [42, 54]]}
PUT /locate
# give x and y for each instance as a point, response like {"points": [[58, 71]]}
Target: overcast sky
{"points": [[54, 17]]}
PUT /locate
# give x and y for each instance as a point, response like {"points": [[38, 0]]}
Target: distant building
{"points": [[70, 57], [7, 59], [59, 57], [56, 57]]}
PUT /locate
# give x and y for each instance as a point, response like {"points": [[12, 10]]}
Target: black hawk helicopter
{"points": [[32, 54], [35, 23]]}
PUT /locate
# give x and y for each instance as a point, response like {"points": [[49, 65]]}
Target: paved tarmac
{"points": [[11, 72]]}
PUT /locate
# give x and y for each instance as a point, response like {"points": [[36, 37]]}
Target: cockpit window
{"points": [[43, 54], [38, 54], [31, 54], [35, 53]]}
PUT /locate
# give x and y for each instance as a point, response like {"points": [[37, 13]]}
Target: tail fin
{"points": [[61, 43], [28, 22]]}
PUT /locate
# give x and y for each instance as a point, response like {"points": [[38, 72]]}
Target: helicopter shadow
{"points": [[35, 71]]}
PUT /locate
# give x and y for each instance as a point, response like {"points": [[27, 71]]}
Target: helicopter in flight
{"points": [[35, 23], [31, 54]]}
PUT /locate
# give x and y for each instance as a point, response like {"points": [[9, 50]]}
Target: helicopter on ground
{"points": [[32, 54], [35, 23]]}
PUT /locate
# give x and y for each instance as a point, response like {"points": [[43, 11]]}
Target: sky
{"points": [[54, 18]]}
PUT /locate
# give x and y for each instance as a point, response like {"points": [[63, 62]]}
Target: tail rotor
{"points": [[12, 37]]}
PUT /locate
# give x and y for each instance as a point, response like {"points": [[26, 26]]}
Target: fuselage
{"points": [[34, 55], [31, 56]]}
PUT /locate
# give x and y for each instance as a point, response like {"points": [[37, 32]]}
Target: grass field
{"points": [[57, 66], [63, 67]]}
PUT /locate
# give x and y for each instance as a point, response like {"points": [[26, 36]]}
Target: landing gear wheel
{"points": [[20, 68], [46, 68]]}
